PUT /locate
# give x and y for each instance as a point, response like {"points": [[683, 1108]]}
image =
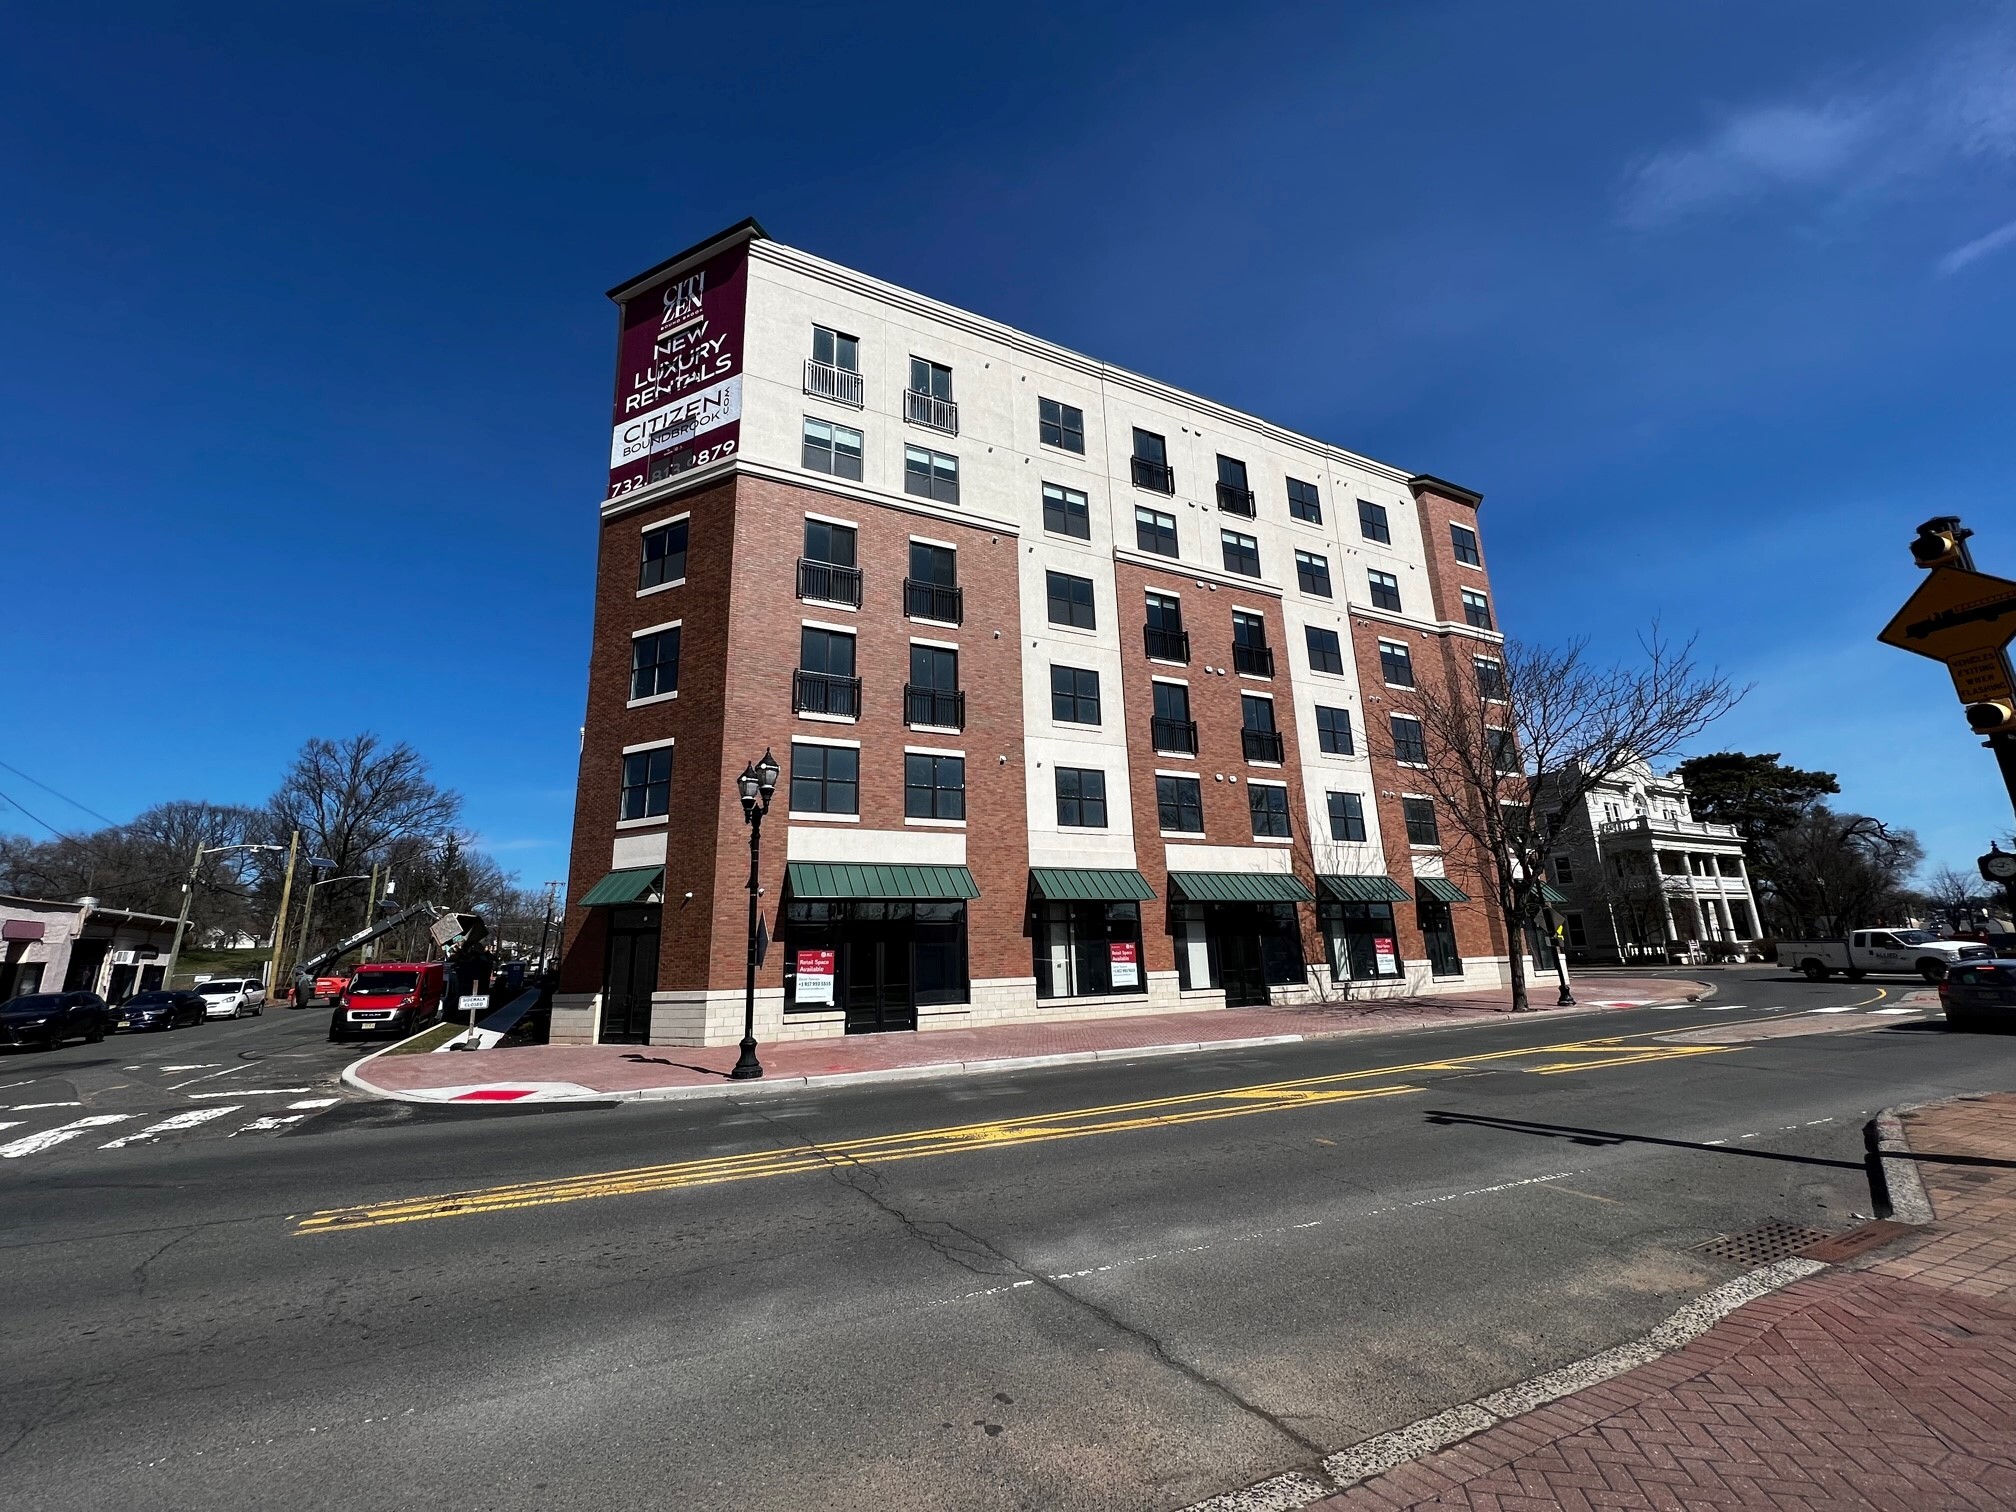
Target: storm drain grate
{"points": [[1768, 1242]]}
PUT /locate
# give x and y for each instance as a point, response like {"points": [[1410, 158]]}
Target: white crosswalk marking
{"points": [[34, 1144], [316, 1102], [27, 1107], [1896, 1010], [187, 1120], [1846, 1008], [267, 1125], [13, 1123], [250, 1092]]}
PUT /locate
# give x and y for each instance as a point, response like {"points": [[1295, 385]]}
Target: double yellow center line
{"points": [[1078, 1123]]}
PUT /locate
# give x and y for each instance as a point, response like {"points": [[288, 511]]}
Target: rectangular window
{"points": [[1578, 934], [831, 448], [1438, 937], [826, 570], [934, 787], [1172, 728], [1268, 804], [1061, 425], [1464, 540], [1325, 652], [1333, 731], [1234, 496], [1490, 677], [1408, 743], [1163, 633], [1372, 522], [836, 349], [1312, 573], [930, 475], [1385, 589], [1361, 940], [1242, 553], [933, 378], [654, 663], [932, 695], [1081, 797], [829, 543], [829, 652], [1347, 816], [1396, 664], [1476, 609], [1730, 866], [1070, 599], [1564, 869], [1081, 948], [1074, 695], [1504, 750], [1155, 531], [664, 555], [1250, 651], [1421, 826], [1259, 738], [931, 591], [1303, 502], [1179, 805], [1065, 513], [647, 784], [1150, 463], [825, 779]]}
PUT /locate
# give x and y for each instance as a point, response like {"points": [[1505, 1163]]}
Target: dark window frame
{"points": [[661, 682], [656, 571], [1333, 731], [1347, 816], [1312, 573], [1384, 588], [1267, 808], [1409, 749], [831, 787], [834, 349], [1476, 609], [1423, 827], [1373, 523], [926, 788], [837, 464], [1325, 649], [1074, 698], [1069, 506], [1467, 551], [1179, 797], [1305, 502], [1152, 532], [937, 480], [651, 786], [1063, 427], [1075, 807], [1235, 548], [1396, 664], [1070, 581]]}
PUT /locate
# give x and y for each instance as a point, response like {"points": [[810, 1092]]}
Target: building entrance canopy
{"points": [[1240, 887], [883, 880]]}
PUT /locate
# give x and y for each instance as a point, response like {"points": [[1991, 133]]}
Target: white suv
{"points": [[231, 997]]}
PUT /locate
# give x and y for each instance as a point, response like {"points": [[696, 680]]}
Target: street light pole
{"points": [[280, 916], [758, 781], [182, 922]]}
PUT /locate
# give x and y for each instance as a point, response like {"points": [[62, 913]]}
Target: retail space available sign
{"points": [[1385, 958], [1125, 958], [815, 977], [679, 373]]}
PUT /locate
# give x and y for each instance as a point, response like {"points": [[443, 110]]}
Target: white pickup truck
{"points": [[1909, 952]]}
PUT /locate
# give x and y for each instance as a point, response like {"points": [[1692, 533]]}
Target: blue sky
{"points": [[304, 361]]}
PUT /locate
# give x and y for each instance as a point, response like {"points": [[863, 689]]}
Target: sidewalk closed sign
{"points": [[815, 977], [1126, 961]]}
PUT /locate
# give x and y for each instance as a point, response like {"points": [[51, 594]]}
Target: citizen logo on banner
{"points": [[685, 419]]}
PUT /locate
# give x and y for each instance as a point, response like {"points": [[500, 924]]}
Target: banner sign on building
{"points": [[679, 373], [1125, 960], [815, 977]]}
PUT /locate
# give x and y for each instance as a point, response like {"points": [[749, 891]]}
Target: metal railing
{"points": [[1166, 645], [930, 411], [824, 693], [1159, 476], [943, 602], [934, 706], [825, 381], [1261, 745], [1259, 660], [1237, 501], [1173, 734], [829, 582], [1650, 824]]}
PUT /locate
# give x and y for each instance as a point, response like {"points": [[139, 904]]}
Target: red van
{"points": [[388, 997]]}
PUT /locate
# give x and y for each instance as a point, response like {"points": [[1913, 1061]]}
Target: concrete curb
{"points": [[1906, 1189], [351, 1075], [1376, 1456]]}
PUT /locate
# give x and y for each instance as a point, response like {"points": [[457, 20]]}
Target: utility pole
{"points": [[371, 897], [546, 929], [182, 922], [280, 918]]}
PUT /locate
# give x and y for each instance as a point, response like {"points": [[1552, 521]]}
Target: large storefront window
{"points": [[1438, 934], [875, 959], [1088, 949], [1244, 948], [1363, 946]]}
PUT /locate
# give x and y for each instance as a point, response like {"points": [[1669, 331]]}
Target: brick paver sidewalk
{"points": [[633, 1068], [1890, 1383]]}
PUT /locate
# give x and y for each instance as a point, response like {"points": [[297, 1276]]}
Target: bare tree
{"points": [[1956, 896], [1547, 717], [143, 864], [1834, 872]]}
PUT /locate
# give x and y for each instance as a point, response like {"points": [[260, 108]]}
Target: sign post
{"points": [[475, 1002]]}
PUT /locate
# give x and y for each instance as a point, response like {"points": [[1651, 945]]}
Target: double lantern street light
{"points": [[756, 786]]}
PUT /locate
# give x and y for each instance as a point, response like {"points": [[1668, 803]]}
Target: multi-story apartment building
{"points": [[1641, 879], [1069, 674]]}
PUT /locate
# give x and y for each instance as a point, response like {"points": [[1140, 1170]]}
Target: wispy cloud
{"points": [[1980, 247], [1830, 143]]}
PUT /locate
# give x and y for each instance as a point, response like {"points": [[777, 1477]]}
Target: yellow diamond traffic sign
{"points": [[1953, 613]]}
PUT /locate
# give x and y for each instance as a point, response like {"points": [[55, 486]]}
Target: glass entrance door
{"points": [[629, 976], [877, 970], [1240, 963]]}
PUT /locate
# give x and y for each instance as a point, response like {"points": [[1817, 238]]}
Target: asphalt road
{"points": [[1128, 1285]]}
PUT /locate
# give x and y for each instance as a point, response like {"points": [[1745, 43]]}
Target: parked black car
{"points": [[49, 1018], [159, 1009], [1980, 995]]}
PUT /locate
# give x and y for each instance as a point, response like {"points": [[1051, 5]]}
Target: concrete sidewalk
{"points": [[1887, 1381], [576, 1073]]}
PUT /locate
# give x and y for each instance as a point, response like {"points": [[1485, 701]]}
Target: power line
{"points": [[116, 824], [59, 834]]}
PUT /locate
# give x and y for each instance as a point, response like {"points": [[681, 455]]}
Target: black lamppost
{"points": [[756, 785]]}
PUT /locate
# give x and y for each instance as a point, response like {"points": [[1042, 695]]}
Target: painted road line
{"points": [[35, 1144], [1846, 1008], [180, 1121], [12, 1123], [1039, 1128], [265, 1125], [30, 1107], [1897, 1010], [251, 1092], [316, 1102], [200, 1066]]}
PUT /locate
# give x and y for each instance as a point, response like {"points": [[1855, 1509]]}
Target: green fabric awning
{"points": [[1076, 884], [1441, 889], [632, 886], [1363, 889], [1240, 887], [1553, 894], [880, 880]]}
